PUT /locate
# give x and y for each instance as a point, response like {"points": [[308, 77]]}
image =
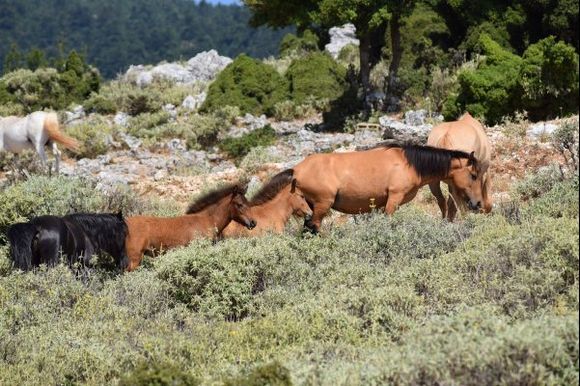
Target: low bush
{"points": [[405, 299], [490, 90], [50, 87], [239, 147], [548, 79], [249, 84], [94, 134], [41, 195], [544, 82], [257, 157], [315, 75], [292, 45]]}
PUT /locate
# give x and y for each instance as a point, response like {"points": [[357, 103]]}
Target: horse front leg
{"points": [[394, 199], [320, 210], [436, 191], [453, 203]]}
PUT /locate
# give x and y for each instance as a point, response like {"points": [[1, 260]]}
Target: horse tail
{"points": [[52, 128], [21, 237]]}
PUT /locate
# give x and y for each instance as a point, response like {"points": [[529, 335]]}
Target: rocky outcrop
{"points": [[341, 37], [203, 67]]}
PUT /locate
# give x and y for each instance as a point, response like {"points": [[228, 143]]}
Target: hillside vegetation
{"points": [[114, 34], [408, 299]]}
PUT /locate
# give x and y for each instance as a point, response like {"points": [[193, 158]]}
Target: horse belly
{"points": [[361, 201], [15, 142]]}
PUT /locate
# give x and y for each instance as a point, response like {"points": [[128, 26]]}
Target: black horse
{"points": [[78, 237]]}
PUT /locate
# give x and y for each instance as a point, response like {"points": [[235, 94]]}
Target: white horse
{"points": [[33, 132]]}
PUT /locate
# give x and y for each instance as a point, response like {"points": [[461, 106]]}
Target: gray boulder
{"points": [[206, 65], [341, 37], [540, 129], [403, 132]]}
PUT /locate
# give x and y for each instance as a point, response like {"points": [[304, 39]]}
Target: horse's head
{"points": [[298, 202], [239, 209], [468, 180]]}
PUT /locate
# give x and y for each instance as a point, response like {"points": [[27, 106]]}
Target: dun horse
{"points": [[466, 134], [33, 132], [79, 236], [389, 175], [207, 217], [273, 206]]}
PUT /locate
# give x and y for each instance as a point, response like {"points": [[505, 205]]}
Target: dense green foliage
{"points": [[115, 34], [544, 82], [292, 45], [240, 146], [403, 300], [315, 75], [72, 81], [548, 79], [249, 84]]}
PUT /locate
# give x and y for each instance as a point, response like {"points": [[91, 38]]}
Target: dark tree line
{"points": [[112, 34]]}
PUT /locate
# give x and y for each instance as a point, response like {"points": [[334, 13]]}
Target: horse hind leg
{"points": [[57, 157], [436, 191]]}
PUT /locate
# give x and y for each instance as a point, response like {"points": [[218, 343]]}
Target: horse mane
{"points": [[273, 187], [214, 196], [429, 161]]}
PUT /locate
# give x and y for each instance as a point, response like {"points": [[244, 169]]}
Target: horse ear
{"points": [[471, 160], [293, 188]]}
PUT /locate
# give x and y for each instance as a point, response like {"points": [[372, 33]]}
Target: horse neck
{"points": [[219, 214], [275, 211]]}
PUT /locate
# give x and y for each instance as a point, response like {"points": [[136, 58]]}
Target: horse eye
{"points": [[474, 177]]}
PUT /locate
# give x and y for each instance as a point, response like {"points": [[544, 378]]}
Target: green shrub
{"points": [[41, 195], [158, 375], [316, 75], [289, 110], [148, 125], [565, 140], [239, 147], [98, 103], [271, 374], [247, 83], [548, 78], [94, 135], [49, 87], [257, 157], [490, 90], [292, 45], [349, 56], [536, 184]]}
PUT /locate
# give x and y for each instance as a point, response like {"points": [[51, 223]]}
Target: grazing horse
{"points": [[273, 206], [33, 132], [207, 217], [385, 176], [79, 236], [468, 135]]}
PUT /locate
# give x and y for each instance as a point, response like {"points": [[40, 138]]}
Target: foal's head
{"points": [[288, 196], [298, 202], [239, 208], [229, 198]]}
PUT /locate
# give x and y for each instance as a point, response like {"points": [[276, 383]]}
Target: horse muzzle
{"points": [[251, 224], [308, 217], [474, 207]]}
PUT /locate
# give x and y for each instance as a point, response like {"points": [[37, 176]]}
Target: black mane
{"points": [[273, 187], [429, 161], [214, 196]]}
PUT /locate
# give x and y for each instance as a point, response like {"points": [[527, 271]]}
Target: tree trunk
{"points": [[365, 68], [392, 84]]}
